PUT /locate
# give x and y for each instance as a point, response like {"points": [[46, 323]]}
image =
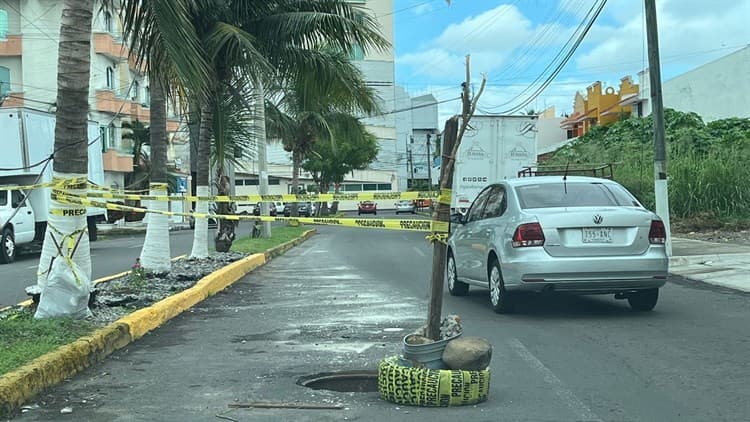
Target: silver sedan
{"points": [[578, 235]]}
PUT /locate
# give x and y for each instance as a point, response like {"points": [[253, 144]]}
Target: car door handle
{"points": [[28, 212]]}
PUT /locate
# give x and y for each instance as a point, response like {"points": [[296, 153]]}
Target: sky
{"points": [[512, 42]]}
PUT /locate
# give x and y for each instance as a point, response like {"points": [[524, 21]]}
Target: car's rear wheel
{"points": [[500, 299], [7, 247], [644, 300], [455, 287]]}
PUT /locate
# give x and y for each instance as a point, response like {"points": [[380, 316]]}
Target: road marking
{"points": [[135, 246], [32, 267], [568, 397], [306, 251], [419, 251]]}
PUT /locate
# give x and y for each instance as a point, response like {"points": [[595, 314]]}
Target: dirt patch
{"points": [[711, 229]]}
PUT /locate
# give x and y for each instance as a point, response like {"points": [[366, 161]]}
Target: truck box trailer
{"points": [[495, 148], [27, 137]]}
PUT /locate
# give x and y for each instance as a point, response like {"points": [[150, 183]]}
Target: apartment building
{"points": [[119, 90]]}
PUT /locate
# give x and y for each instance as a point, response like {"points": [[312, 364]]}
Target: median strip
{"points": [[21, 385]]}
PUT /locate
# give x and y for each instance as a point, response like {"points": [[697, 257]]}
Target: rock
{"points": [[468, 354], [66, 410]]}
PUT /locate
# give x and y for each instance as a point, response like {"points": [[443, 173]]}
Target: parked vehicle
{"points": [[579, 235], [271, 207], [367, 207], [212, 222], [406, 205], [28, 138], [497, 148], [304, 209]]}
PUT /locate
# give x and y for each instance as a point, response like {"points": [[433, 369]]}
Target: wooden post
{"points": [[451, 141], [439, 249]]}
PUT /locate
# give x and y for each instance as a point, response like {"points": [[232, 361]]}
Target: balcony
{"points": [[105, 43], [12, 46], [114, 160], [108, 102]]}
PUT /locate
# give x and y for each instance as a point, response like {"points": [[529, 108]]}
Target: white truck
{"points": [[495, 148], [28, 137]]}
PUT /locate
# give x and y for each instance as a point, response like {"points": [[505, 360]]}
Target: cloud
{"points": [[422, 9]]}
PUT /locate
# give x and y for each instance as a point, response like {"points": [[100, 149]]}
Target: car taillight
{"points": [[657, 234], [529, 234]]}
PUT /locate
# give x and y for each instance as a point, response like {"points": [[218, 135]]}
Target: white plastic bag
{"points": [[66, 293]]}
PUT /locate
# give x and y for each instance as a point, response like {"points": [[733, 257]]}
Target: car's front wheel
{"points": [[455, 287], [500, 299], [644, 300]]}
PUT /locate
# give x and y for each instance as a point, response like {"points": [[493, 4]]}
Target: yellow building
{"points": [[600, 107]]}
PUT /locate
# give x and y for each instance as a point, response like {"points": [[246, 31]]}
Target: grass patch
{"points": [[23, 339], [279, 235]]}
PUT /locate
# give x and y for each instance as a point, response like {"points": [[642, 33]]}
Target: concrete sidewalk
{"points": [[720, 264]]}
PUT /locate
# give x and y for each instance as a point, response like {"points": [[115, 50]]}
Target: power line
{"points": [[559, 66]]}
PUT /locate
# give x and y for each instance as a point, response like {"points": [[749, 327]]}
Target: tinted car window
{"points": [[3, 198], [475, 213], [549, 195], [496, 203]]}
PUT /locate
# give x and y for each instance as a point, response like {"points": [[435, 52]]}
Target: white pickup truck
{"points": [[27, 137]]}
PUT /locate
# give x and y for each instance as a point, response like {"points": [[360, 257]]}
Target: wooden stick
{"points": [[266, 405]]}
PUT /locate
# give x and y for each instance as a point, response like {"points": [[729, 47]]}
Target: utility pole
{"points": [[262, 157], [657, 112], [453, 135], [410, 163], [429, 167]]}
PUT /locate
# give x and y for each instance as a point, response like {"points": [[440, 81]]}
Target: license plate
{"points": [[597, 234]]}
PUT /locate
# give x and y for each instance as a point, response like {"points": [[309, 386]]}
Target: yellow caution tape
{"points": [[443, 197], [60, 183], [431, 387], [389, 224]]}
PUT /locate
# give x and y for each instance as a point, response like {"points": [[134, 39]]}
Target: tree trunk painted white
{"points": [[200, 234], [156, 255], [66, 229]]}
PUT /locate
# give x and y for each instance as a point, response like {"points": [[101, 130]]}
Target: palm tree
{"points": [[159, 51], [231, 41], [311, 110], [139, 135], [71, 136]]}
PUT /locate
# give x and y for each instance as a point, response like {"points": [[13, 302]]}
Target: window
{"points": [[3, 24], [352, 188], [370, 186], [107, 21], [17, 197], [384, 186], [110, 77], [147, 96], [107, 135], [136, 90], [573, 195], [475, 212], [3, 198], [496, 203], [274, 181], [239, 182], [4, 81]]}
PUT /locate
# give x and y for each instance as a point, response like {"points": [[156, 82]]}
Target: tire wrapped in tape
{"points": [[431, 387]]}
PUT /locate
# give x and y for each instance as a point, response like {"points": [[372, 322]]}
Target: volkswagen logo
{"points": [[598, 219]]}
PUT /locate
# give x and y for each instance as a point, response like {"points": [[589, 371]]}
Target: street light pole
{"points": [[657, 113], [262, 157], [429, 166]]}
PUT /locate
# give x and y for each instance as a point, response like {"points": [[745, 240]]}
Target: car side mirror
{"points": [[457, 218]]}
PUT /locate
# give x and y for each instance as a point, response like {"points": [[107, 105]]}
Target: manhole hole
{"points": [[343, 381]]}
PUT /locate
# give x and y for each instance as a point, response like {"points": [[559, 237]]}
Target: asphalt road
{"points": [[110, 255], [343, 300]]}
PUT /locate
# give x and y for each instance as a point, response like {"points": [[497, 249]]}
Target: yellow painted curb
{"points": [[52, 368], [144, 320], [19, 386]]}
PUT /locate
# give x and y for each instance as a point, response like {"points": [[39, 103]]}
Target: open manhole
{"points": [[343, 381]]}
